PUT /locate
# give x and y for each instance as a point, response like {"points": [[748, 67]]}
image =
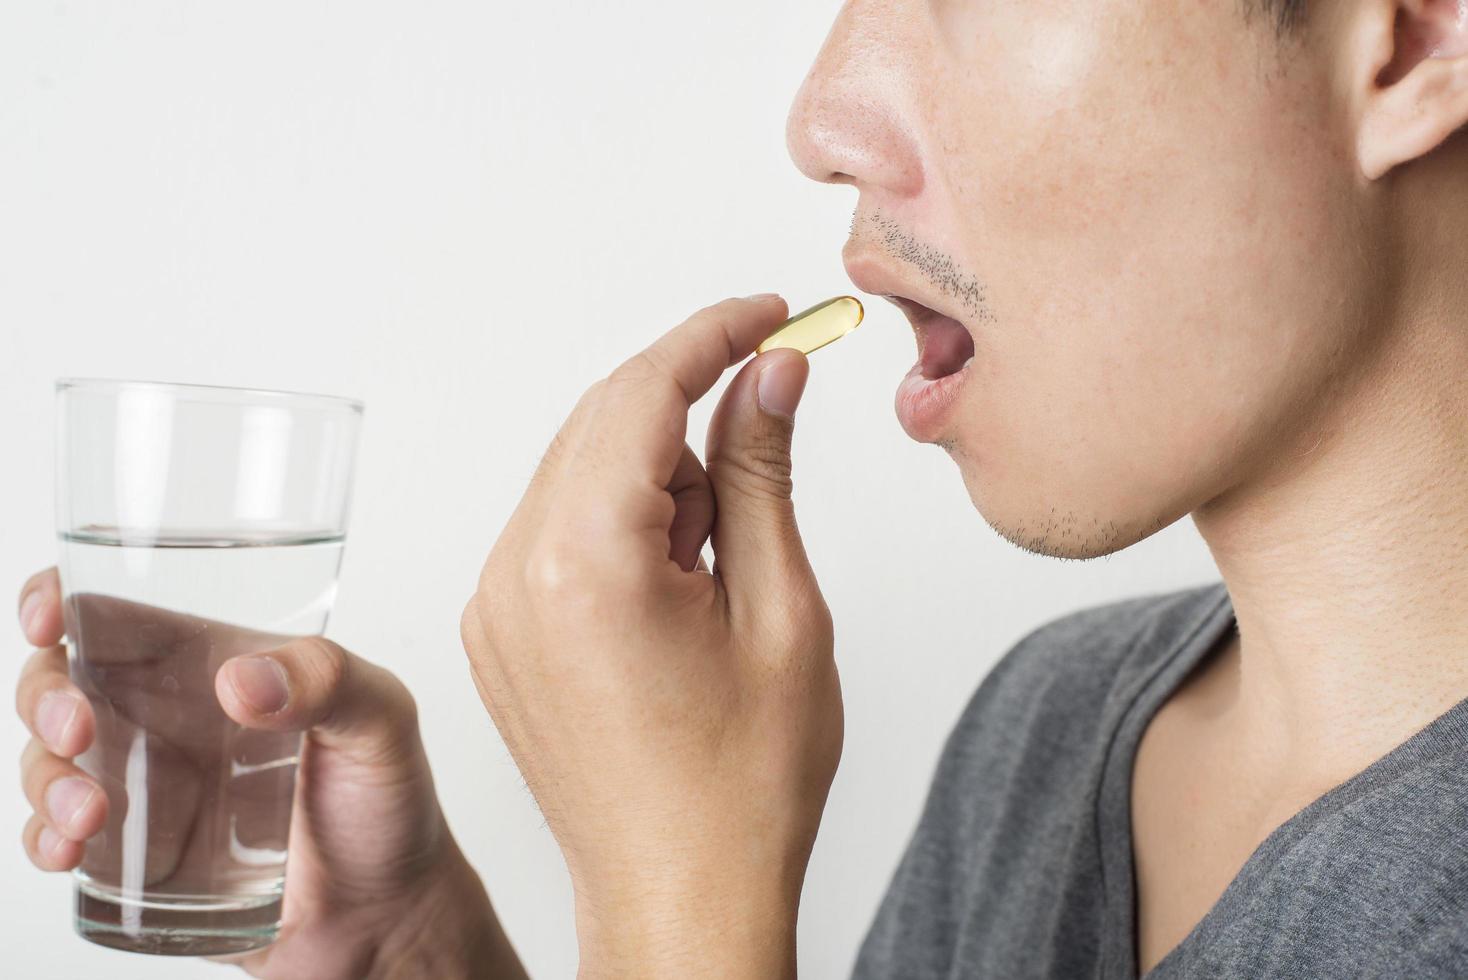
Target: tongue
{"points": [[947, 346]]}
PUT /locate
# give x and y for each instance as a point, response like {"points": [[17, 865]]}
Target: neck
{"points": [[1347, 564]]}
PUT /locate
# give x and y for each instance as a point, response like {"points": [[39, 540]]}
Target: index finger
{"points": [[697, 352], [642, 418], [39, 608]]}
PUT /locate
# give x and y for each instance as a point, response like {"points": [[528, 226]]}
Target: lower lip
{"points": [[924, 405]]}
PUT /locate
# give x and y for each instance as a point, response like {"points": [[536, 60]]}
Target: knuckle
{"points": [[400, 705], [41, 670], [654, 362], [630, 373], [818, 619], [566, 580], [407, 707], [556, 575], [34, 664], [321, 660], [471, 634], [478, 623], [593, 394], [648, 375], [560, 444], [721, 316], [798, 621], [769, 461], [34, 771], [636, 369], [30, 754], [762, 465]]}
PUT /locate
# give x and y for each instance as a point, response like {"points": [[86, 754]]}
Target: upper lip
{"points": [[870, 272]]}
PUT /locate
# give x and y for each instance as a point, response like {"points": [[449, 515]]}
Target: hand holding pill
{"points": [[679, 727]]}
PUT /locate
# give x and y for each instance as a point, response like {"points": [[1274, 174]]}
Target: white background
{"points": [[463, 213]]}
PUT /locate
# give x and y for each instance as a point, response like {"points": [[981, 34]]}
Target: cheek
{"points": [[1165, 295]]}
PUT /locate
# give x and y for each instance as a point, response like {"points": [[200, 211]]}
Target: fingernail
{"points": [[762, 297], [780, 386], [47, 841], [54, 714], [29, 606], [261, 684], [67, 799]]}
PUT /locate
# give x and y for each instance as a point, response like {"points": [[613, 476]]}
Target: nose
{"points": [[850, 123]]}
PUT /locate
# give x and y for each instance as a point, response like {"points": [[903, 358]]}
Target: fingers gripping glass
{"points": [[196, 524]]}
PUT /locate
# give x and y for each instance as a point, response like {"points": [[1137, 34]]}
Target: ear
{"points": [[1415, 87]]}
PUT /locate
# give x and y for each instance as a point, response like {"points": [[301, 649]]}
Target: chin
{"points": [[1033, 521]]}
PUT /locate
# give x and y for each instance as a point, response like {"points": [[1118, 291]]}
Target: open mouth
{"points": [[945, 346]]}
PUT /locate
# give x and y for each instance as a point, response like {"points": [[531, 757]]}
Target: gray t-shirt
{"points": [[1021, 865]]}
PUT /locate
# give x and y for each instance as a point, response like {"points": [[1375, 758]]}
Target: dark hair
{"points": [[1287, 13]]}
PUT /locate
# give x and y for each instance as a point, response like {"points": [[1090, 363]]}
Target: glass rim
{"points": [[217, 392]]}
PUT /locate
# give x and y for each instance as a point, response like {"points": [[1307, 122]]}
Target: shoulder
{"points": [[1065, 670], [1093, 642], [1001, 865], [1435, 948], [1042, 721]]}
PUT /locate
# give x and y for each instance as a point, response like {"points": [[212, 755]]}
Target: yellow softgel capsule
{"points": [[816, 327]]}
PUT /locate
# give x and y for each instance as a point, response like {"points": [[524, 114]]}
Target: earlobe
{"points": [[1418, 95]]}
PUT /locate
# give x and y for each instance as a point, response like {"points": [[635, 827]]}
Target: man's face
{"points": [[1145, 214]]}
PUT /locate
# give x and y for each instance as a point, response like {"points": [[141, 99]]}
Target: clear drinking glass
{"points": [[196, 524]]}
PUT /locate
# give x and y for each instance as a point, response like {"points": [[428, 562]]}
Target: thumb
{"points": [[312, 683], [757, 546]]}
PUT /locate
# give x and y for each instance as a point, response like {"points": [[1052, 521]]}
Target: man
{"points": [[1160, 260]]}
